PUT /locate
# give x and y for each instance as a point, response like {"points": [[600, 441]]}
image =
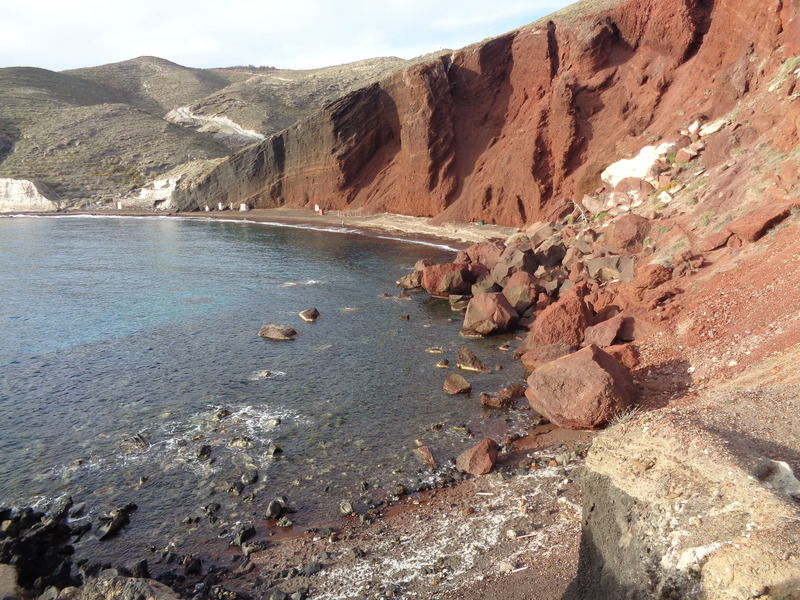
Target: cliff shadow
{"points": [[369, 127], [480, 107], [663, 383]]}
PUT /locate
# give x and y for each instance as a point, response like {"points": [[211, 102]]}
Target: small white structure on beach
{"points": [[243, 208]]}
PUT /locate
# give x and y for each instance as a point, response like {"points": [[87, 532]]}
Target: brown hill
{"points": [[100, 132]]}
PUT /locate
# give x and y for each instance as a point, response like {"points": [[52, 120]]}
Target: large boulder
{"points": [[522, 290], [412, 281], [628, 233], [513, 260], [480, 459], [563, 322], [445, 280], [487, 253], [489, 313], [583, 390]]}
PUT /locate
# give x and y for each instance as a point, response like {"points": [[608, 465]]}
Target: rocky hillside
{"points": [[520, 127], [100, 132]]}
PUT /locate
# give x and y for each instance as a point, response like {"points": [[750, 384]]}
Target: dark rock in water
{"points": [[250, 476], [211, 509], [137, 442], [273, 450], [275, 509], [59, 509], [235, 488], [467, 360], [222, 414], [193, 566], [204, 453], [309, 315], [345, 507], [242, 532], [140, 570], [443, 364], [77, 511], [405, 317], [456, 384], [114, 521], [459, 302], [277, 332]]}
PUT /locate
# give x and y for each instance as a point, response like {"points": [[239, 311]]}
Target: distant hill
{"points": [[98, 132]]}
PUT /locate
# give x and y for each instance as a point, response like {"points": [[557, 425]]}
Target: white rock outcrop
{"points": [[21, 195], [641, 166]]}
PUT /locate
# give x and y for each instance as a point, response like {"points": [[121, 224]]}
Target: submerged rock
{"points": [[115, 521], [309, 315], [277, 332]]}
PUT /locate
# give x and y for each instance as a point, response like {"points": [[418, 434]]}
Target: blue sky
{"points": [[59, 34]]}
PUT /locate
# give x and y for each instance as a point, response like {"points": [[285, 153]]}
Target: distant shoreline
{"points": [[408, 229]]}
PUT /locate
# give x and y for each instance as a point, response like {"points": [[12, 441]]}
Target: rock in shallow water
{"points": [[456, 384], [277, 332], [309, 315]]}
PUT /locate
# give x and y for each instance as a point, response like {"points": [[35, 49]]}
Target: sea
{"points": [[131, 372]]}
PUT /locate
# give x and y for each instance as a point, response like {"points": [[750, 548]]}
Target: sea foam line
{"points": [[339, 230]]}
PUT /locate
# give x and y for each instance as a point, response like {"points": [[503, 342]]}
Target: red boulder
{"points": [[563, 322], [488, 313], [480, 459], [444, 280], [583, 390]]}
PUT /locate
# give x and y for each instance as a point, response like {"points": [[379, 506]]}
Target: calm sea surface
{"points": [[122, 338]]}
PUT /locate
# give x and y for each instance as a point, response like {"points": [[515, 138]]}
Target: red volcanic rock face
{"points": [[514, 129], [583, 390], [480, 459], [446, 280]]}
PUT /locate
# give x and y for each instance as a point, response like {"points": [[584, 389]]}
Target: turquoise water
{"points": [[118, 327]]}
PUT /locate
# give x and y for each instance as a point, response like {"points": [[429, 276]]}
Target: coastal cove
{"points": [[127, 337]]}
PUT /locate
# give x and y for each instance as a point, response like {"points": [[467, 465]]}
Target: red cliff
{"points": [[515, 129]]}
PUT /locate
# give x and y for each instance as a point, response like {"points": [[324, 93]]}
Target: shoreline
{"points": [[415, 230]]}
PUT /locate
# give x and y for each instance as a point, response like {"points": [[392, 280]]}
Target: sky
{"points": [[295, 34]]}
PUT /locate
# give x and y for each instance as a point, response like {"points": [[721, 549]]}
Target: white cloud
{"points": [[297, 34]]}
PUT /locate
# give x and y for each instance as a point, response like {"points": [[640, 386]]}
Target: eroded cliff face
{"points": [[515, 129], [21, 195]]}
